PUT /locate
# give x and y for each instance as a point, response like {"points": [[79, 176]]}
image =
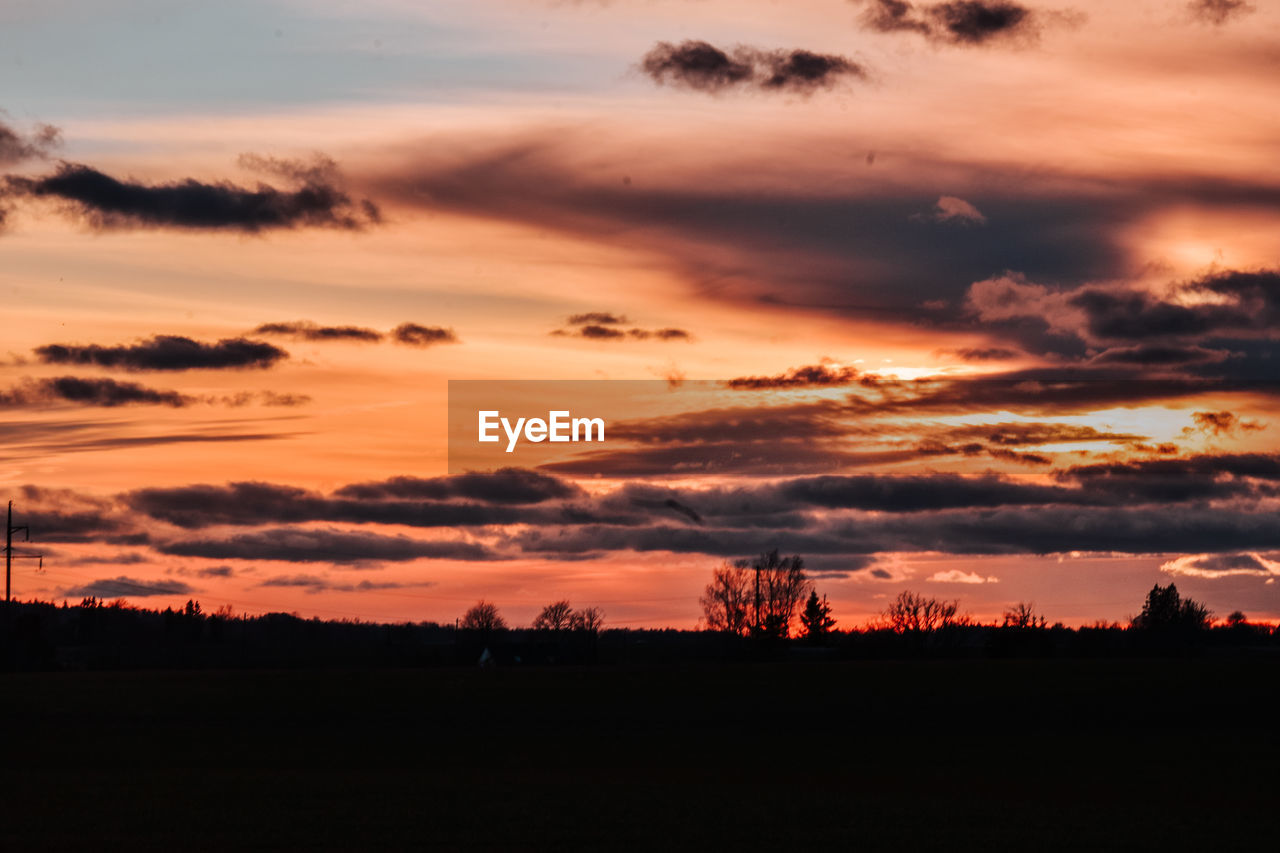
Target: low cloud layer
{"points": [[305, 330], [958, 22], [703, 67], [16, 146], [126, 587], [415, 335], [607, 326], [89, 392], [166, 352], [313, 198]]}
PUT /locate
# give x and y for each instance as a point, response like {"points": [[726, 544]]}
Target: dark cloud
{"points": [[595, 331], [124, 587], [167, 352], [414, 335], [1050, 529], [1160, 354], [818, 375], [982, 353], [1036, 391], [852, 252], [505, 486], [16, 146], [961, 22], [1242, 302], [89, 392], [62, 443], [297, 545], [696, 65], [216, 572], [251, 504], [975, 21], [597, 318], [888, 16], [701, 66], [308, 331], [1022, 433], [671, 504], [1220, 423], [921, 493], [805, 71], [1218, 12], [740, 424], [108, 202]]}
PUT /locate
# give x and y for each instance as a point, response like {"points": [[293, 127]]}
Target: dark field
{"points": [[882, 755]]}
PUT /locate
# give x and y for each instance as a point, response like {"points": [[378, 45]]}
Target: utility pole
{"points": [[9, 556]]}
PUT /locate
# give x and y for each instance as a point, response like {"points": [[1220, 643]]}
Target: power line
{"points": [[9, 556]]}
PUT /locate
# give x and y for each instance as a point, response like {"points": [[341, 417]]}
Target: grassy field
{"points": [[884, 755]]}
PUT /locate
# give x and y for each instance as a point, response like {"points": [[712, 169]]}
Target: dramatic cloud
{"points": [[124, 587], [16, 146], [411, 334], [1224, 565], [305, 330], [1230, 302], [982, 353], [974, 22], [597, 331], [596, 318], [504, 486], [355, 548], [961, 22], [89, 392], [167, 352], [109, 392], [1220, 423], [818, 375], [1218, 12], [701, 66], [108, 202]]}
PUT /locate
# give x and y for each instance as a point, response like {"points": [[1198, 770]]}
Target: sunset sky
{"points": [[972, 298]]}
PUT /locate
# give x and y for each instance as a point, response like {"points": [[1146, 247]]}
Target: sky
{"points": [[977, 299]]}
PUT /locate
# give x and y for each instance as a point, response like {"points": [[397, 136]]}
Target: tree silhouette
{"points": [[914, 613], [1167, 611], [482, 616], [727, 599], [588, 619], [1023, 615], [757, 597], [779, 584], [816, 617], [1237, 619], [556, 616]]}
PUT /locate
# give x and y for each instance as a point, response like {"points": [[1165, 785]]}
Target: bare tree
{"points": [[727, 599], [915, 613], [1023, 615], [757, 596], [482, 616], [556, 616], [779, 585], [589, 619]]}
